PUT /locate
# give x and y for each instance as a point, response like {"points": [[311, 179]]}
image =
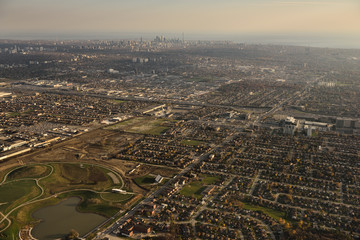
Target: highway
{"points": [[141, 99]]}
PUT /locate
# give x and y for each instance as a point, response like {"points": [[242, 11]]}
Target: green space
{"points": [[343, 84], [151, 126], [118, 101], [74, 176], [14, 114], [14, 193], [191, 142], [33, 171], [117, 197], [60, 181], [155, 130], [209, 180], [268, 211], [145, 180], [196, 187], [193, 189], [12, 231]]}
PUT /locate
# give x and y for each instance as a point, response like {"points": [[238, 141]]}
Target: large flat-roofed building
{"points": [[5, 95], [347, 123]]}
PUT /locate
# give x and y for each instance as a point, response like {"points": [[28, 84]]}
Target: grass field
{"points": [[118, 101], [208, 180], [34, 171], [14, 114], [117, 197], [74, 176], [150, 126], [195, 188], [145, 180], [191, 142], [11, 233], [268, 211], [17, 192], [155, 130]]}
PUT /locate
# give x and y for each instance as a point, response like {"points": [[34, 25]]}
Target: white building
{"points": [[159, 178]]}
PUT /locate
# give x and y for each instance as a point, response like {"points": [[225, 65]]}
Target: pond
{"points": [[57, 221]]}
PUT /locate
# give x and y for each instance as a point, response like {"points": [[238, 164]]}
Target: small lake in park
{"points": [[58, 220]]}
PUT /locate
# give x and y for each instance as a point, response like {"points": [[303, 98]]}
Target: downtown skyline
{"points": [[198, 19]]}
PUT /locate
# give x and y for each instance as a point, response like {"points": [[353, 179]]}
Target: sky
{"points": [[227, 17]]}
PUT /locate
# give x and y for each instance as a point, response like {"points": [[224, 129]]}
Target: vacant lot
{"points": [[143, 125]]}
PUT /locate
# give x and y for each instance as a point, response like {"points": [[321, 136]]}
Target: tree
{"points": [[72, 235]]}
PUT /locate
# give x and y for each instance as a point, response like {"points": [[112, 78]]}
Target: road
{"points": [[168, 101]]}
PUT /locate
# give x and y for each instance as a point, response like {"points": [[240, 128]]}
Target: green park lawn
{"points": [[117, 197], [32, 171], [195, 187], [14, 193], [145, 180], [268, 211], [75, 176]]}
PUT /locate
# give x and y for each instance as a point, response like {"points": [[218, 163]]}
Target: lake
{"points": [[58, 220]]}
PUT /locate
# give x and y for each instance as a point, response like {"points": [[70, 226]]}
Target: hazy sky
{"points": [[189, 16]]}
